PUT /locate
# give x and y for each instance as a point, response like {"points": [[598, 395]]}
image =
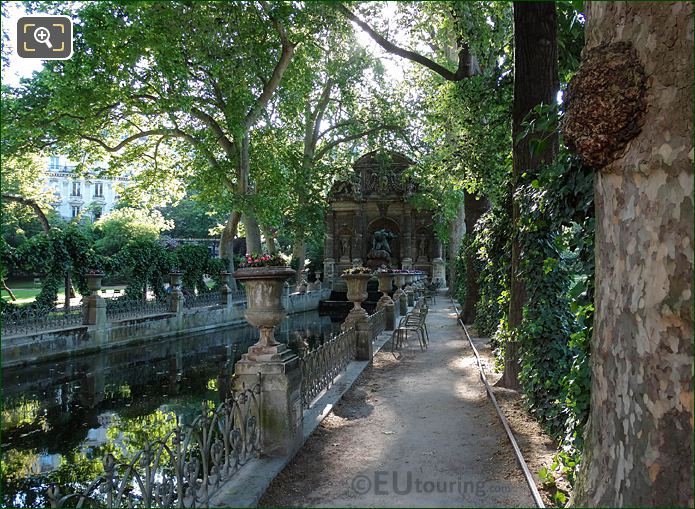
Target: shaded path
{"points": [[415, 430]]}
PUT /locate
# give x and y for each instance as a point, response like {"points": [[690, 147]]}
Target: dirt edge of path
{"points": [[537, 447]]}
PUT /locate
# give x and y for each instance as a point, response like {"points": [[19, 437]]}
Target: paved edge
{"points": [[247, 487]]}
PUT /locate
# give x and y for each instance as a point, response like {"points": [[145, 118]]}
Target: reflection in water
{"points": [[60, 418]]}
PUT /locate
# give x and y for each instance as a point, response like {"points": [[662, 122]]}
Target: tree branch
{"points": [[333, 144], [463, 71], [129, 139], [29, 203], [209, 120], [274, 81]]}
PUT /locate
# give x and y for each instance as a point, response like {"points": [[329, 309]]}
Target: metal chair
{"points": [[412, 322]]}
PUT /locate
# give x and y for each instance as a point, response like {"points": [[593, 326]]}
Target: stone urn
{"points": [[399, 297], [176, 298], [385, 282], [356, 293], [94, 281], [409, 289], [264, 289]]}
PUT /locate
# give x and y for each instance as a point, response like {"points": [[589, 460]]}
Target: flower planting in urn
{"points": [[264, 287]]}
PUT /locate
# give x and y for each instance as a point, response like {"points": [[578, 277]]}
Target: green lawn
{"points": [[26, 295]]}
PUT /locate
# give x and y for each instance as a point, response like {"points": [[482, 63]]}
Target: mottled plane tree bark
{"points": [[631, 116]]}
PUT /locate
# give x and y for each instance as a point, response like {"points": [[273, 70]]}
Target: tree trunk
{"points": [[7, 289], [475, 207], [269, 240], [456, 232], [253, 234], [67, 288], [299, 253], [639, 440], [535, 82], [227, 239]]}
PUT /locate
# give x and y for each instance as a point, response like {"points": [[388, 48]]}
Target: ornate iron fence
{"points": [[186, 467], [29, 319], [122, 308], [322, 365], [377, 321], [202, 299]]}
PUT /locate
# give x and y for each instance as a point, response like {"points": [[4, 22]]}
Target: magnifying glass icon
{"points": [[43, 36]]}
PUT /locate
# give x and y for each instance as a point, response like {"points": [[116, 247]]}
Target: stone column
{"points": [[280, 400], [94, 304], [225, 290], [407, 261], [365, 347], [329, 271], [329, 249], [176, 298]]}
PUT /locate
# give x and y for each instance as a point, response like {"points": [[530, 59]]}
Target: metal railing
{"points": [[30, 319], [185, 467], [121, 308], [377, 322], [321, 365], [202, 299]]}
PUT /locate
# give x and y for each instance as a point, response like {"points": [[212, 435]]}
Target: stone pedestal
{"points": [[280, 400], [226, 290], [365, 347], [407, 263], [94, 304], [176, 298]]}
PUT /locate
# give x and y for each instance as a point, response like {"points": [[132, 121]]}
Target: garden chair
{"points": [[413, 322]]}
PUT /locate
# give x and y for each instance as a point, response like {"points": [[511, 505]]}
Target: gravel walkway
{"points": [[416, 430]]}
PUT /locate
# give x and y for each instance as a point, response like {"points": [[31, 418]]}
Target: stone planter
{"points": [[94, 281], [176, 298], [264, 290], [385, 282], [357, 293]]}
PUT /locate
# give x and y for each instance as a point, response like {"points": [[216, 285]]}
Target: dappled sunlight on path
{"points": [[415, 430]]}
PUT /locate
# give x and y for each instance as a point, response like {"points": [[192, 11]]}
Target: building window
{"points": [[97, 213], [99, 190], [76, 189], [54, 163], [75, 210]]}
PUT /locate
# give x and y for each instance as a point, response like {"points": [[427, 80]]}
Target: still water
{"points": [[60, 418]]}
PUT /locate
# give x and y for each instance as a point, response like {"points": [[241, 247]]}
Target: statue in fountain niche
{"points": [[381, 250]]}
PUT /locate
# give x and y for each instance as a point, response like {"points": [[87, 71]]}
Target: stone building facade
{"points": [[377, 199], [77, 194]]}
